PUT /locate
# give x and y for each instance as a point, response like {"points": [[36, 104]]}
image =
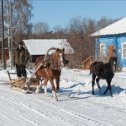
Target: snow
{"points": [[118, 27], [35, 46], [76, 105]]}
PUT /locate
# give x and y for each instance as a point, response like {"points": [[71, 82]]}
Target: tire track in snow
{"points": [[66, 116], [80, 120], [35, 115], [21, 104], [58, 117], [118, 113], [109, 106], [13, 114], [89, 120], [5, 120], [32, 108]]}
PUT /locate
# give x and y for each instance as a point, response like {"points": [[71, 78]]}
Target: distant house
{"points": [[6, 50], [112, 37], [39, 47], [6, 53]]}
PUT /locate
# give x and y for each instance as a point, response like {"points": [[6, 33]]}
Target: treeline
{"points": [[18, 14], [77, 32]]}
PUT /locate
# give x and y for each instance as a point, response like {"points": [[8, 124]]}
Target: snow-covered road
{"points": [[76, 105]]}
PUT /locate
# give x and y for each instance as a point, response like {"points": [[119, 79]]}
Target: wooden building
{"points": [[111, 41], [39, 47]]}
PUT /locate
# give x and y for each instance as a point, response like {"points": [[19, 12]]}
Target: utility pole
{"points": [[8, 25], [3, 44], [10, 43]]}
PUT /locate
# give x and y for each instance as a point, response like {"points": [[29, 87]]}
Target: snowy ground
{"points": [[76, 105]]}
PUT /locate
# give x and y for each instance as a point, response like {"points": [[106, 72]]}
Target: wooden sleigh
{"points": [[22, 83], [47, 69]]}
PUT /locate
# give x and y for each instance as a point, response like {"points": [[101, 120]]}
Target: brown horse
{"points": [[50, 70]]}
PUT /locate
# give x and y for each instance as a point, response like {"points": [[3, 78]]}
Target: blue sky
{"points": [[59, 12]]}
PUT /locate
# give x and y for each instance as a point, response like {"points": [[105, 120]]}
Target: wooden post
{"points": [[3, 44], [9, 75]]}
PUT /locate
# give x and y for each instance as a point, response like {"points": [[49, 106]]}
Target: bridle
{"points": [[57, 60]]}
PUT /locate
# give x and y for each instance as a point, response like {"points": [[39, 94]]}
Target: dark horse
{"points": [[50, 69], [100, 70]]}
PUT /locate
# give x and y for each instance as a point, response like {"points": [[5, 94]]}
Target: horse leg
{"points": [[57, 83], [116, 66], [45, 87], [37, 87], [40, 82], [53, 89], [27, 86], [93, 82], [97, 80], [108, 87], [58, 80], [105, 91]]}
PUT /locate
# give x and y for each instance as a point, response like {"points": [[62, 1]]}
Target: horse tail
{"points": [[90, 68]]}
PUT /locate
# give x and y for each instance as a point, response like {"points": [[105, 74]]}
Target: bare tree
{"points": [[88, 26], [79, 36], [40, 29], [77, 33], [21, 15], [103, 22], [17, 14], [59, 32], [75, 25]]}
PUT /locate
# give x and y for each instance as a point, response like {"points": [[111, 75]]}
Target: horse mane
{"points": [[48, 59], [44, 60]]}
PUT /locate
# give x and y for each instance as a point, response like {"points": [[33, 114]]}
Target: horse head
{"points": [[113, 62], [59, 58]]}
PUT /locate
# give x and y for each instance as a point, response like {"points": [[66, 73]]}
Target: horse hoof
{"points": [[57, 88], [56, 99], [36, 92], [111, 95], [46, 95]]}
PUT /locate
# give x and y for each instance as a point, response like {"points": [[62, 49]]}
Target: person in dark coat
{"points": [[21, 59]]}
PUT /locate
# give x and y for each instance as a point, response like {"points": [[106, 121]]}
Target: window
{"points": [[124, 50], [102, 49]]}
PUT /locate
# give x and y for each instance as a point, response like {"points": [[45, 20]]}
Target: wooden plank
{"points": [[9, 75]]}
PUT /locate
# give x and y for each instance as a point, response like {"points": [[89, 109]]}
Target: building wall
{"points": [[117, 42], [108, 41], [6, 54], [120, 41]]}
